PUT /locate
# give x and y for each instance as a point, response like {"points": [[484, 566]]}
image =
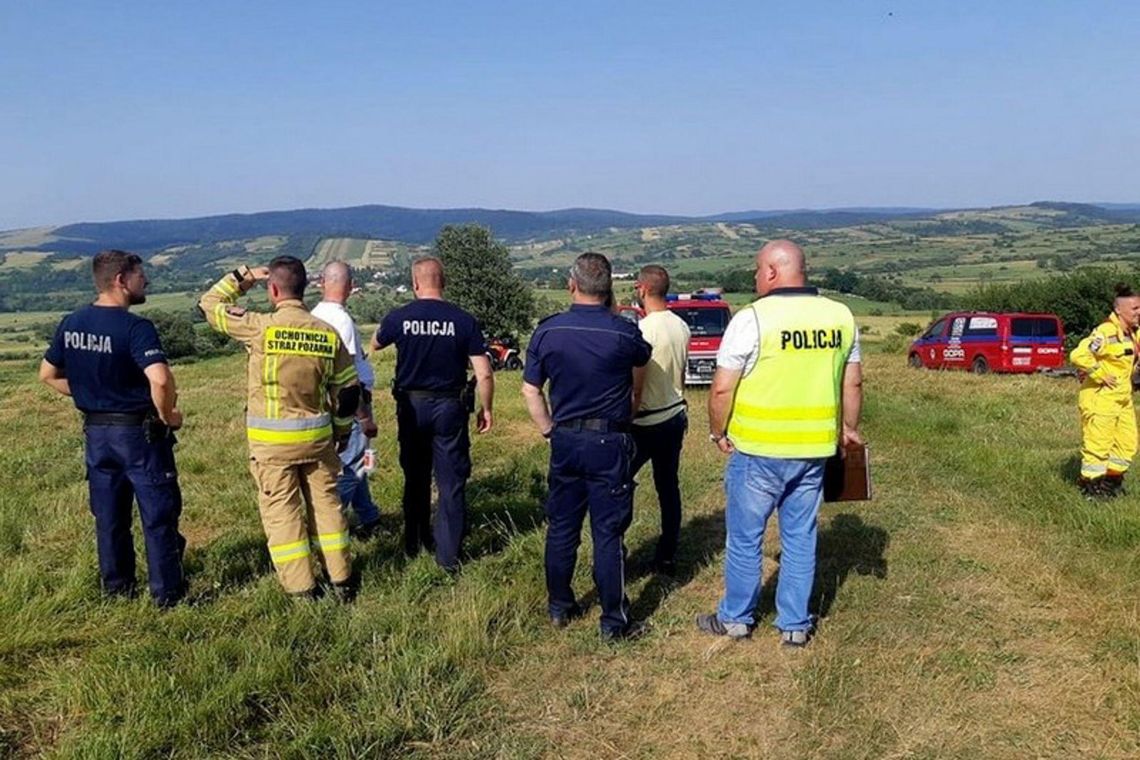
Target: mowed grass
{"points": [[976, 608]]}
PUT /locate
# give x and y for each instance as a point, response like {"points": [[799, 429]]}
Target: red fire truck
{"points": [[985, 341], [707, 314]]}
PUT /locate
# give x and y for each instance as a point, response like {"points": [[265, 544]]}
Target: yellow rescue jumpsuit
{"points": [[297, 367], [1108, 420]]}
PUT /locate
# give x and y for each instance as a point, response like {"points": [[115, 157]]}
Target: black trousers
{"points": [[433, 438], [661, 444]]}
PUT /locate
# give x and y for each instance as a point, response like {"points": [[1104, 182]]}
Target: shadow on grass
{"points": [[501, 507], [225, 564], [846, 545], [1070, 469], [701, 538]]}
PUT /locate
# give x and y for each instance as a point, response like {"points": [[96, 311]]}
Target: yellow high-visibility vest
{"points": [[787, 406]]}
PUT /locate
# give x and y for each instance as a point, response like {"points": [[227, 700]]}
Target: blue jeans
{"points": [[352, 483], [754, 487]]}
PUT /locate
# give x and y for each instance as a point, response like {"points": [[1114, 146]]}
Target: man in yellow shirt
{"points": [[660, 421], [1106, 359]]}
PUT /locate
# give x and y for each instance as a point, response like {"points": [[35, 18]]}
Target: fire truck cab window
{"points": [[704, 322]]}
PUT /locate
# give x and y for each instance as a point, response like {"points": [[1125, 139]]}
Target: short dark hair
{"points": [[655, 278], [1123, 290], [107, 265], [288, 274], [593, 274]]}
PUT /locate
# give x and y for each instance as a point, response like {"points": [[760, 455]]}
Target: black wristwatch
{"points": [[717, 438]]}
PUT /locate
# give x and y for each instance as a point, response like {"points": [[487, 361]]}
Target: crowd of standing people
{"points": [[607, 395]]}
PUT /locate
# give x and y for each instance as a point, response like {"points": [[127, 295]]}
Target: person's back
{"points": [[302, 393], [590, 369], [587, 354], [434, 341], [661, 420], [104, 349]]}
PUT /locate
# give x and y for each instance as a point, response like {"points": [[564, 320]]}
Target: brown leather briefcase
{"points": [[848, 478]]}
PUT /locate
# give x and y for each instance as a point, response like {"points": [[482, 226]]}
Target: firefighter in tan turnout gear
{"points": [[302, 396], [1106, 359]]}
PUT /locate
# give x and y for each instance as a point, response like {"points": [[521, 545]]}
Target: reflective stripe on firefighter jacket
{"points": [[297, 366], [788, 405]]}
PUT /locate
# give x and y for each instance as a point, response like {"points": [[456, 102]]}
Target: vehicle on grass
{"points": [[504, 354], [707, 315], [984, 341]]}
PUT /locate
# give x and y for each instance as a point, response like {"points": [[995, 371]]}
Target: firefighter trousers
{"points": [[300, 511], [1108, 439]]}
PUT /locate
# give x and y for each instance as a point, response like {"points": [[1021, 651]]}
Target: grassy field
{"points": [[976, 608]]}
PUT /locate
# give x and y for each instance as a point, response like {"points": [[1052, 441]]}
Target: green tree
{"points": [[480, 279]]}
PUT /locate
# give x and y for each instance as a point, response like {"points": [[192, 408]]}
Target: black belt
{"points": [[121, 419], [430, 394], [594, 426], [647, 412]]}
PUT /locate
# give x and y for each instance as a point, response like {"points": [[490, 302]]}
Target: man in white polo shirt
{"points": [[336, 286], [660, 421]]}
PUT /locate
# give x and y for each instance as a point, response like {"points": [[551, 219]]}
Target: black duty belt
{"points": [[122, 419], [430, 394], [594, 426]]}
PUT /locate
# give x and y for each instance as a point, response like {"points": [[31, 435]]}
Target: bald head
{"points": [[779, 264], [336, 281], [427, 277]]}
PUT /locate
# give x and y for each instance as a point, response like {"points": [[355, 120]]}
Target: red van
{"points": [[984, 341]]}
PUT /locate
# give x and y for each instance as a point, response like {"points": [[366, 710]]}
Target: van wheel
{"points": [[915, 361], [980, 366]]}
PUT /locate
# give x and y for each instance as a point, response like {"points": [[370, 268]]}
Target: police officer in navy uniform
{"points": [[112, 365], [435, 340], [588, 355]]}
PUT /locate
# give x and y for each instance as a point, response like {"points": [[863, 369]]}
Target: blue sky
{"points": [[119, 110]]}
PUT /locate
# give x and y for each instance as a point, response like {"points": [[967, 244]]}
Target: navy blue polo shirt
{"points": [[433, 339], [588, 355], [103, 350]]}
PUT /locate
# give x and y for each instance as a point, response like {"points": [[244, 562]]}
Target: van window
{"points": [[936, 329], [981, 327], [1034, 327]]}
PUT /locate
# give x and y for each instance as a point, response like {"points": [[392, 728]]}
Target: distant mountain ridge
{"points": [[420, 226]]}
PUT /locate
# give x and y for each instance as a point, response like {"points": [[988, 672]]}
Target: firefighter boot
{"points": [[1114, 484], [1093, 488]]}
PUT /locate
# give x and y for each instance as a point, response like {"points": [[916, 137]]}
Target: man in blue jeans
{"points": [[352, 483], [787, 391]]}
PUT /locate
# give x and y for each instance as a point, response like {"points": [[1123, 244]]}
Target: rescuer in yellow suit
{"points": [[302, 396], [1107, 359]]}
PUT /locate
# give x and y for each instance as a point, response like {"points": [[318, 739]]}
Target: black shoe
{"points": [[1113, 486], [346, 591], [1095, 488], [365, 531], [563, 619], [712, 625], [665, 567], [633, 630]]}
